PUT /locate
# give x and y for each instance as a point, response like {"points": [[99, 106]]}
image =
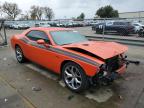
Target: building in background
{"points": [[134, 16], [137, 14]]}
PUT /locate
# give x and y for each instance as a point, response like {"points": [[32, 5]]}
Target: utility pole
{"points": [[104, 28], [139, 15]]}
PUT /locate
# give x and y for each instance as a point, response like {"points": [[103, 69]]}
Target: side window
{"points": [[122, 23], [109, 23], [116, 23], [36, 35], [135, 24]]}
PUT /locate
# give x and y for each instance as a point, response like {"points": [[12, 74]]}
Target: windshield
{"points": [[67, 37]]}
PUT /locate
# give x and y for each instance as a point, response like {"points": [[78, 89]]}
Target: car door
{"points": [[109, 26], [39, 53]]}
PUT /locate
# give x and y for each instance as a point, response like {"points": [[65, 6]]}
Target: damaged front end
{"points": [[110, 71]]}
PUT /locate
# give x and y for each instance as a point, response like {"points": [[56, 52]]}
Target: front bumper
{"points": [[105, 77], [114, 75], [122, 69]]}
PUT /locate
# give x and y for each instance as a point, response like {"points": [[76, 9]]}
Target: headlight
{"points": [[105, 73]]}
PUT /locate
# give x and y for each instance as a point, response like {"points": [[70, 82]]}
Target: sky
{"points": [[72, 8]]}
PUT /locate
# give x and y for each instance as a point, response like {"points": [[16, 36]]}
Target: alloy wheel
{"points": [[72, 77]]}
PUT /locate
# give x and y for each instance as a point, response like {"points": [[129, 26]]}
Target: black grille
{"points": [[112, 64]]}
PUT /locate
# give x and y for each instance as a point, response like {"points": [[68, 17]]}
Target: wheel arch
{"points": [[66, 61], [88, 69], [17, 45]]}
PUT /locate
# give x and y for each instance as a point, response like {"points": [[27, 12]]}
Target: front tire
{"points": [[19, 55], [141, 33], [74, 77]]}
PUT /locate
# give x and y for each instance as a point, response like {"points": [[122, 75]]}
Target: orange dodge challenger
{"points": [[79, 61]]}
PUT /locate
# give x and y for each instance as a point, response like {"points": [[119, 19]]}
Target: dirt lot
{"points": [[18, 80]]}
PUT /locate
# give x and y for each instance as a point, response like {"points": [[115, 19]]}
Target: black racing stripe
{"points": [[32, 43], [73, 56], [24, 40], [37, 45], [61, 52]]}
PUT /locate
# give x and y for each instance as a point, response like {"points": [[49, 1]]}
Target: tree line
{"points": [[12, 11], [107, 12]]}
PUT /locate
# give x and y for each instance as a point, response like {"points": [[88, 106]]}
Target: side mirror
{"points": [[41, 41]]}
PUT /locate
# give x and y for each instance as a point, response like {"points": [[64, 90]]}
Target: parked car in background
{"points": [[15, 26], [80, 62], [96, 25], [24, 26], [42, 24], [138, 27], [68, 24], [19, 26], [141, 32], [87, 23], [93, 23], [121, 27], [8, 25], [52, 24], [59, 25]]}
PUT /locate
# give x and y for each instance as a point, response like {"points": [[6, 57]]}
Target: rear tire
{"points": [[19, 55], [74, 77], [99, 31]]}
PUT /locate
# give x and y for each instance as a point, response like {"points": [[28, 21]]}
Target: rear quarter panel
{"points": [[15, 40]]}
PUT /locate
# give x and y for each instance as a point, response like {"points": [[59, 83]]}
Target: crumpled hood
{"points": [[104, 50]]}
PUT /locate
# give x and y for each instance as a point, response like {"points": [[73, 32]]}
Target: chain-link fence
{"points": [[124, 30], [121, 27]]}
